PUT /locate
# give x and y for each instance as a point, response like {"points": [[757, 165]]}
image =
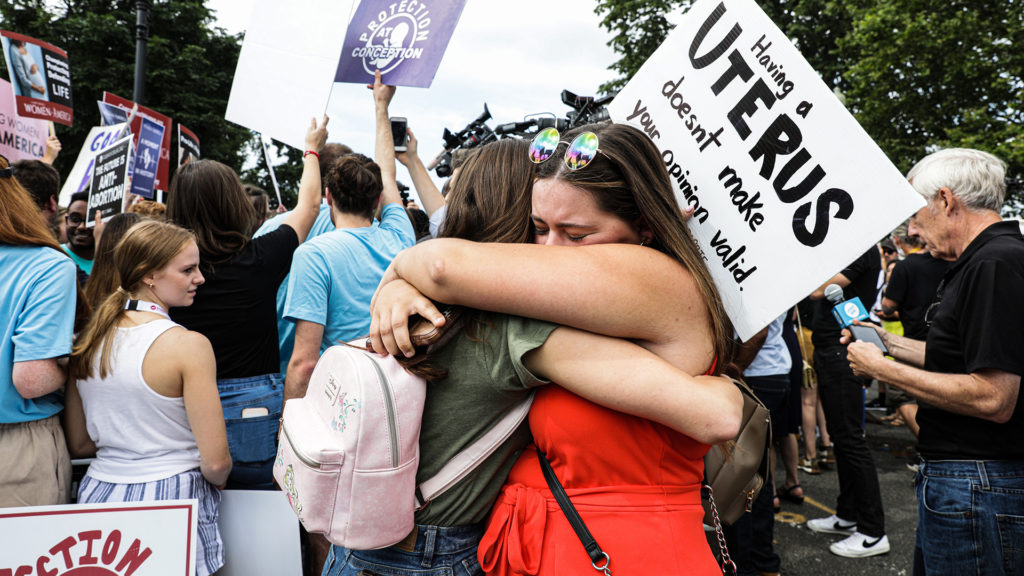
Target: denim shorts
{"points": [[439, 551], [252, 440], [970, 518]]}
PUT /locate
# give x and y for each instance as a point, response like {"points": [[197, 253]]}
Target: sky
{"points": [[514, 55]]}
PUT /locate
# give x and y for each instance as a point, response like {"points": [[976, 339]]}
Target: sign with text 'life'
{"points": [[787, 188]]}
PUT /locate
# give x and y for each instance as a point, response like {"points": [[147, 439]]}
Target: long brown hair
{"points": [[20, 223], [628, 178], [146, 247], [489, 202], [103, 279], [207, 198]]}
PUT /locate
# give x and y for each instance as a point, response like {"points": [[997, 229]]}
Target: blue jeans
{"points": [[439, 551], [252, 440], [970, 518]]}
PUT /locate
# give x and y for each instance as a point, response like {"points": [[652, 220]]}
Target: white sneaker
{"points": [[860, 546], [832, 525]]}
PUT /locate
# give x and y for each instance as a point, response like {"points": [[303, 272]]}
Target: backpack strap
{"points": [[472, 456]]}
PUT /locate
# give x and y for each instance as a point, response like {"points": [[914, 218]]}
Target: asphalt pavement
{"points": [[805, 553]]}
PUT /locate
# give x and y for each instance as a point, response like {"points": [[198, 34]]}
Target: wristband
{"points": [[313, 152]]}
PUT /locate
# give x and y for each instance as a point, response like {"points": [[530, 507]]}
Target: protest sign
{"points": [[110, 180], [151, 538], [80, 176], [40, 78], [147, 153], [260, 533], [21, 138], [404, 40], [188, 145], [286, 67], [787, 188], [110, 114], [163, 172]]}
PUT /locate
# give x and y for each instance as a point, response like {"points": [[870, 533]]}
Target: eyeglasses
{"points": [[929, 314], [580, 153], [75, 219]]}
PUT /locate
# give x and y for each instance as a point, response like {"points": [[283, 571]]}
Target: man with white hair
{"points": [[966, 375]]}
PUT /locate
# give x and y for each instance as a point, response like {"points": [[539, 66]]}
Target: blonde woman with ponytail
{"points": [[142, 393]]}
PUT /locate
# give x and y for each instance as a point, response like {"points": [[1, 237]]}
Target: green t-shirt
{"points": [[486, 379]]}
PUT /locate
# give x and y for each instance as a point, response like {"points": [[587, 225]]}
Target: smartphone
{"points": [[400, 133], [868, 334]]}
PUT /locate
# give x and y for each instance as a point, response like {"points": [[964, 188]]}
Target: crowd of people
{"points": [[164, 342]]}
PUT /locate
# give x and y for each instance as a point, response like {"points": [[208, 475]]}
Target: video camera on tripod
{"points": [[474, 134]]}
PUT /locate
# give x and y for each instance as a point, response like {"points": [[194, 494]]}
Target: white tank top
{"points": [[140, 436]]}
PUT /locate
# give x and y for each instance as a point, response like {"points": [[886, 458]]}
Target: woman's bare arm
{"points": [[614, 289], [80, 445], [202, 405], [623, 376]]}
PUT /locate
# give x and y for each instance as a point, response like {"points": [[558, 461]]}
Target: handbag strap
{"points": [[599, 559], [725, 561]]}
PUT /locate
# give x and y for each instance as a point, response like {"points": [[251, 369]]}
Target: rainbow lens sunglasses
{"points": [[579, 154]]}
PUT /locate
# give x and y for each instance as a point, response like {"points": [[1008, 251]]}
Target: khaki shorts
{"points": [[35, 469]]}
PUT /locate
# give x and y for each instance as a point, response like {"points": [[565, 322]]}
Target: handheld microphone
{"points": [[845, 312]]}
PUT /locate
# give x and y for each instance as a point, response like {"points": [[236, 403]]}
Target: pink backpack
{"points": [[349, 449]]}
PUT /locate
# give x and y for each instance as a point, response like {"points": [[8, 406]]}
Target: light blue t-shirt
{"points": [[334, 276], [773, 359], [37, 316], [285, 328]]}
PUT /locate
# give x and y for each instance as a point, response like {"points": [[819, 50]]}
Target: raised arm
{"points": [[623, 376], [429, 195], [202, 405], [308, 207], [384, 150]]}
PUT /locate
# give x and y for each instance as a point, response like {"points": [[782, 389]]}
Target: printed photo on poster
{"points": [[405, 41], [40, 77], [110, 180], [188, 145]]}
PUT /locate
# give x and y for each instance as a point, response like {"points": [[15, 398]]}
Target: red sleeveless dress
{"points": [[636, 484]]}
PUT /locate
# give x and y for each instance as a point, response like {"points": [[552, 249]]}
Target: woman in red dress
{"points": [[635, 483]]}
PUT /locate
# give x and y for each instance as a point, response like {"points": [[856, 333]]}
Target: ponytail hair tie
{"points": [[122, 291]]}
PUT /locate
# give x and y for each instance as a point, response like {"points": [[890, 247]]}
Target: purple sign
{"points": [[404, 39], [147, 157]]}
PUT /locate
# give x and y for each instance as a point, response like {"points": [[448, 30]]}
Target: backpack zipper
{"points": [[298, 453], [385, 389]]}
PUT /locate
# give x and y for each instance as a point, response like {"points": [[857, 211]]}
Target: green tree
{"points": [[918, 75], [190, 65]]}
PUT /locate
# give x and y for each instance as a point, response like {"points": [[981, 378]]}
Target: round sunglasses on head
{"points": [[579, 154]]}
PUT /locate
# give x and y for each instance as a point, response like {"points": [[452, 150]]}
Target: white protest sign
{"points": [[787, 188], [151, 538], [80, 176], [260, 533], [286, 66]]}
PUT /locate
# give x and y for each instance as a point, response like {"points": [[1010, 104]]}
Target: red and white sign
{"points": [[21, 138], [114, 539]]}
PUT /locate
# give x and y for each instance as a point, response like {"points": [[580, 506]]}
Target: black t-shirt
{"points": [[237, 306], [912, 286], [863, 275], [978, 324]]}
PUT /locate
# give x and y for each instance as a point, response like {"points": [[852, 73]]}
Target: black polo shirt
{"points": [[912, 286], [863, 275], [978, 323]]}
